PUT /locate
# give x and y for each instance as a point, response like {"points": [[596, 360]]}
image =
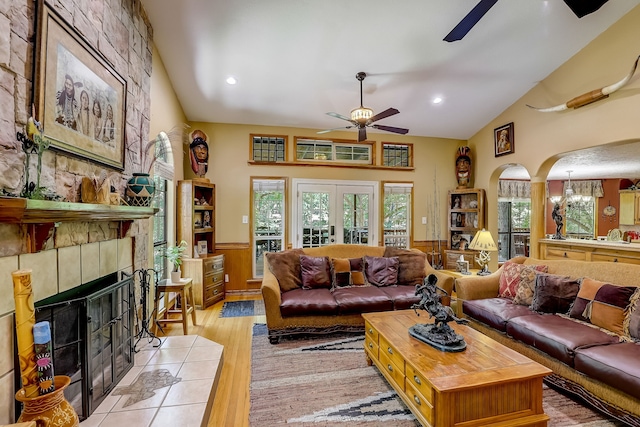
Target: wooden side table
{"points": [[185, 290]]}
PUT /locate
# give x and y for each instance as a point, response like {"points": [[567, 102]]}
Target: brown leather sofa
{"points": [[292, 310], [601, 366]]}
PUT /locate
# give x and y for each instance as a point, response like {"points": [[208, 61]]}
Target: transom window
{"points": [[268, 148], [396, 155], [333, 151]]}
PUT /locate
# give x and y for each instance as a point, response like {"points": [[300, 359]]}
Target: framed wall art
{"points": [[81, 98], [503, 140]]}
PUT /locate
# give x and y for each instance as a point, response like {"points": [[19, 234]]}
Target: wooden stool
{"points": [[182, 288]]}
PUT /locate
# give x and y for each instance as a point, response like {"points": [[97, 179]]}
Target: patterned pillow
{"points": [[554, 294], [602, 304], [381, 271], [411, 265], [285, 266], [631, 325], [347, 272], [315, 272], [514, 276]]}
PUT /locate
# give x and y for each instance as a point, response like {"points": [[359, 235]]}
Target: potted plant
{"points": [[175, 254]]}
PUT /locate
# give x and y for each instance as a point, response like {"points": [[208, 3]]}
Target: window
{"points": [[268, 148], [397, 214], [333, 151], [580, 218], [514, 222], [396, 155], [163, 172], [268, 213]]}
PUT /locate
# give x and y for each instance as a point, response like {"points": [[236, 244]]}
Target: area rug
{"points": [[325, 381], [242, 308]]}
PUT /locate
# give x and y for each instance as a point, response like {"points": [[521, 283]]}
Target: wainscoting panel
{"points": [[237, 265]]}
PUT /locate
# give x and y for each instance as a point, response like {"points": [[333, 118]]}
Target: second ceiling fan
{"points": [[363, 117]]}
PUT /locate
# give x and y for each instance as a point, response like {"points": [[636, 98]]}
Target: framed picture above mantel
{"points": [[81, 99]]}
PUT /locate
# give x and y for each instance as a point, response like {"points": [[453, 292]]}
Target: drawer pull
{"points": [[389, 350], [417, 400], [389, 367], [215, 291], [615, 260], [565, 254], [370, 331], [417, 380], [370, 345]]}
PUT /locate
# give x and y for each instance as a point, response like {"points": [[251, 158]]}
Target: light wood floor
{"points": [[231, 405]]}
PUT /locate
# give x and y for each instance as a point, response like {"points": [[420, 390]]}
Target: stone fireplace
{"points": [[92, 329], [84, 275]]}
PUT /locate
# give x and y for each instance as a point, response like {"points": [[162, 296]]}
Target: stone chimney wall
{"points": [[74, 252]]}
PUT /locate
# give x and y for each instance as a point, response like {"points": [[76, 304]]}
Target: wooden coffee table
{"points": [[486, 384]]}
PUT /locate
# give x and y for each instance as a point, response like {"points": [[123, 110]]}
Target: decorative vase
{"points": [[49, 410], [175, 276], [140, 189]]}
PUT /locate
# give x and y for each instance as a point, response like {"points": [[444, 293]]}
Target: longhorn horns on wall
{"points": [[589, 97]]}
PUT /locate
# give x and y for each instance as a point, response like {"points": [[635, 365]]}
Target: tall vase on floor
{"points": [[140, 189], [49, 410]]}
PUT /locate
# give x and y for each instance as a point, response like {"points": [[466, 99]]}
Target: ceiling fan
{"points": [[579, 7], [363, 117]]}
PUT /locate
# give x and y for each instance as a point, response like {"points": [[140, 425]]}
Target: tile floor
{"points": [[196, 361]]}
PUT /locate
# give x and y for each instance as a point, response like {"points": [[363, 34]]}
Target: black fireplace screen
{"points": [[92, 338]]}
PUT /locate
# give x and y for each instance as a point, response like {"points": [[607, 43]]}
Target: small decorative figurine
{"points": [[556, 214], [437, 334]]}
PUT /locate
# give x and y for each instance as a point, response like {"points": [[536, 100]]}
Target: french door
{"points": [[330, 212]]}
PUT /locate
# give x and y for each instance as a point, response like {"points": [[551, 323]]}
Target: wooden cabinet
{"points": [[452, 256], [465, 218], [196, 214], [590, 250], [629, 207], [208, 279]]}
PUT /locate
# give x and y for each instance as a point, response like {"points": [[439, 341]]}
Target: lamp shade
{"points": [[483, 241]]}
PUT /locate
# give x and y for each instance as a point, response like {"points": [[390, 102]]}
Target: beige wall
{"points": [[167, 115], [542, 138], [229, 169]]}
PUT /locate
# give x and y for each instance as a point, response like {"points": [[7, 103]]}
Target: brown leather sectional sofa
{"points": [[292, 310], [601, 365]]}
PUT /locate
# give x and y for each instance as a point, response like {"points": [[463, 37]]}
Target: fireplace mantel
{"points": [[18, 210], [42, 216]]}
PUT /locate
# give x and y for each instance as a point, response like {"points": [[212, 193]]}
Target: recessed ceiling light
{"points": [[437, 100], [231, 80]]}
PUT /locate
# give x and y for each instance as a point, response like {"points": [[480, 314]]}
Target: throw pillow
{"points": [[347, 272], [631, 323], [411, 265], [602, 304], [315, 272], [381, 271], [285, 266], [553, 293], [512, 275]]}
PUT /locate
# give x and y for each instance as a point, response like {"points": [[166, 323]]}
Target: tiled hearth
{"points": [[173, 385]]}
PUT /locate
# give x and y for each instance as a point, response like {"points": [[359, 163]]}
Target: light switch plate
{"points": [[245, 219], [424, 220]]}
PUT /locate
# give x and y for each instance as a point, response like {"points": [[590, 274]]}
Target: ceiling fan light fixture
{"points": [[361, 114]]}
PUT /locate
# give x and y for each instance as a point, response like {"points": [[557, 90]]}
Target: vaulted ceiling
{"points": [[296, 60]]}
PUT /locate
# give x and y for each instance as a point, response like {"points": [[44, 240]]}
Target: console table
{"points": [[487, 383]]}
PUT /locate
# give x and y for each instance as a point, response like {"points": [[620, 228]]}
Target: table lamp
{"points": [[484, 243]]}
